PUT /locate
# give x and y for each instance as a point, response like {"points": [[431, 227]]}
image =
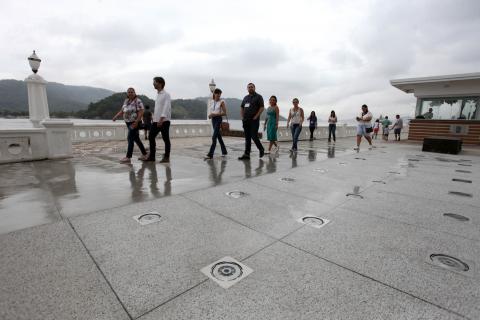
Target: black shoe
{"points": [[262, 153], [208, 157], [224, 154], [165, 160], [244, 157]]}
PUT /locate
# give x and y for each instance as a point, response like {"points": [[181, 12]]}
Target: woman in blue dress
{"points": [[271, 123]]}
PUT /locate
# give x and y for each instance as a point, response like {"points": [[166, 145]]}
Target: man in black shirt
{"points": [[251, 109]]}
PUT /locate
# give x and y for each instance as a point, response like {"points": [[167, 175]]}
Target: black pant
{"points": [[132, 138], [216, 122], [250, 128], [165, 130], [331, 131], [312, 129]]}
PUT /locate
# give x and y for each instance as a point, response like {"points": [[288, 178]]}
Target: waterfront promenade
{"points": [[71, 249]]}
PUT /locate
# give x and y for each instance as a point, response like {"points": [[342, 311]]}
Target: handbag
{"points": [[368, 130], [225, 126]]}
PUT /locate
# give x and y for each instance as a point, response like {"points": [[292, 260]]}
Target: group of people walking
{"points": [[387, 125], [133, 112], [251, 108]]}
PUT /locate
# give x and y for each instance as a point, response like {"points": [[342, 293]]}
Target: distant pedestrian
{"points": [[271, 123], [332, 126], [364, 127], [132, 111], [376, 128], [312, 124], [250, 110], [296, 118], [397, 127], [386, 127], [161, 120], [147, 120], [428, 115], [218, 109]]}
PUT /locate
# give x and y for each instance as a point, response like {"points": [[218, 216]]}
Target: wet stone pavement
{"points": [[327, 233]]}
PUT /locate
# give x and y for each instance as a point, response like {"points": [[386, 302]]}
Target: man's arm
{"points": [[260, 110], [242, 108], [166, 108]]}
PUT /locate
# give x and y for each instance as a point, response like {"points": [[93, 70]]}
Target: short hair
{"points": [[398, 115], [159, 80], [365, 106], [217, 91], [251, 83], [386, 117], [295, 99]]}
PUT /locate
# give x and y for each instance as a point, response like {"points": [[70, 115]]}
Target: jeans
{"points": [[332, 127], [133, 137], [216, 122], [296, 129], [312, 129], [165, 130], [250, 129]]}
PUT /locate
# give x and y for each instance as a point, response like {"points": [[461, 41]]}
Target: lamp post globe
{"points": [[212, 86], [34, 62]]}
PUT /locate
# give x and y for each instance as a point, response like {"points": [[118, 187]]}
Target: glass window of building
{"points": [[449, 108]]}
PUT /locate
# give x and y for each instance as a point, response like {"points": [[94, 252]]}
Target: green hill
{"points": [[61, 98]]}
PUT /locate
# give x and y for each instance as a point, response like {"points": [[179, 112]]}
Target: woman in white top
{"points": [[132, 112], [332, 126], [364, 127], [217, 111], [296, 117]]}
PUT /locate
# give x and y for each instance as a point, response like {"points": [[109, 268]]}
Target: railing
{"points": [[84, 132]]}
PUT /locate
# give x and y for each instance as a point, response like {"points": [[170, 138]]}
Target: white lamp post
{"points": [[212, 87], [37, 92]]}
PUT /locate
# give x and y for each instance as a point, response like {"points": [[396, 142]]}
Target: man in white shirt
{"points": [[397, 127], [161, 120]]}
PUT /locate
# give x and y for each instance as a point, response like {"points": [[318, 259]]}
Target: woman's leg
{"points": [[130, 140], [329, 132], [312, 129], [334, 128], [138, 141], [216, 131], [220, 139]]}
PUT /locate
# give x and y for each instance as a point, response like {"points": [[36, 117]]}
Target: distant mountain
{"points": [[61, 98], [192, 109]]}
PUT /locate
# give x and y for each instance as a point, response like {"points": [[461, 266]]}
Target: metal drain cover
{"points": [[358, 158], [464, 165], [379, 181], [320, 170], [413, 160], [286, 179], [393, 172], [449, 262], [462, 180], [148, 218], [226, 272], [342, 163], [236, 194], [462, 194], [313, 221], [458, 217]]}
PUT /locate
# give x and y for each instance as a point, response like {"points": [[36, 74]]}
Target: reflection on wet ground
{"points": [[34, 193]]}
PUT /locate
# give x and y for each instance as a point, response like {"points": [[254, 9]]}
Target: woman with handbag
{"points": [[217, 110], [364, 127], [132, 111], [271, 123]]}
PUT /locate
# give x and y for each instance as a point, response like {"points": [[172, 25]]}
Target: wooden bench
{"points": [[450, 145]]}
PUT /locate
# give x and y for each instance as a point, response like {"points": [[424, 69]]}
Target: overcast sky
{"points": [[331, 54]]}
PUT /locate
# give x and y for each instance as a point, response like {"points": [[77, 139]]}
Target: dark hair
{"points": [[160, 80], [217, 91], [251, 83], [295, 99], [147, 106], [377, 120], [274, 97], [398, 115], [313, 113], [332, 113], [386, 117]]}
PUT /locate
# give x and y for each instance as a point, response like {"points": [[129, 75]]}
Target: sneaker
{"points": [[244, 157], [125, 160], [208, 157], [262, 153], [224, 154], [356, 148], [143, 157]]}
